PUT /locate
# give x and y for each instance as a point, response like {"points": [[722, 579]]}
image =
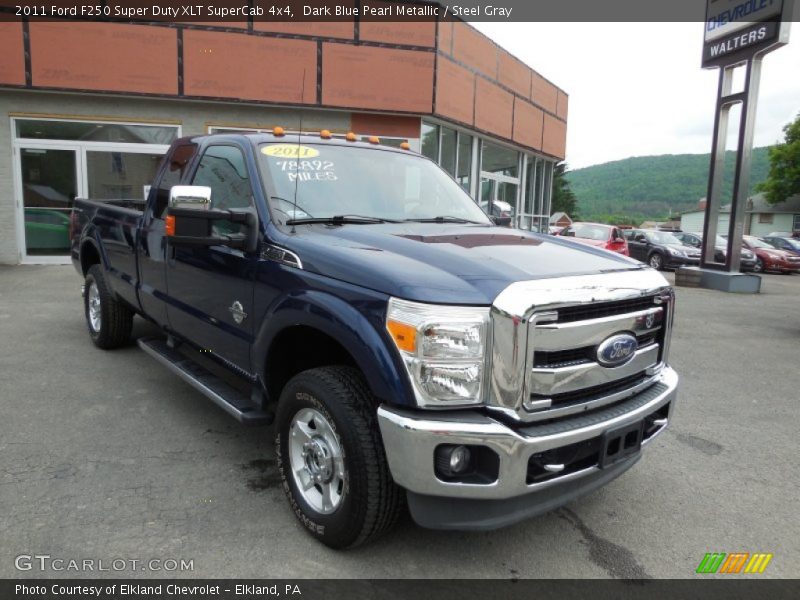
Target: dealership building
{"points": [[89, 109]]}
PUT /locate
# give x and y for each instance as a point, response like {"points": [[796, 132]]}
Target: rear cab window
{"points": [[177, 162]]}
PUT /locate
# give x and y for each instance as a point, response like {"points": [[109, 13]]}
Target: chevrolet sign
{"points": [[736, 30]]}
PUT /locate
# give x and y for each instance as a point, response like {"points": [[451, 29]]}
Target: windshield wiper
{"points": [[341, 220], [444, 219]]}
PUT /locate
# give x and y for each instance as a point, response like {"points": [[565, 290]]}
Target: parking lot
{"points": [[107, 455]]}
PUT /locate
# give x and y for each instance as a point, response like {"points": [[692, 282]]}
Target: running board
{"points": [[231, 400]]}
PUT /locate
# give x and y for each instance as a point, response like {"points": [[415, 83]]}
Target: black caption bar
{"points": [[391, 589], [238, 11]]}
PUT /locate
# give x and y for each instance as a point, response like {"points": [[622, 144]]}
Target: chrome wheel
{"points": [[95, 313], [317, 461]]}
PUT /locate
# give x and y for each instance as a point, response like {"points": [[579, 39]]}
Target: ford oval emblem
{"points": [[617, 349]]}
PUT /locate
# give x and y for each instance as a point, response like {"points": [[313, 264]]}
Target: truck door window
{"points": [[173, 172], [223, 169]]}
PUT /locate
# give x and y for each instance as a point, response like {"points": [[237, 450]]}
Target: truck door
{"points": [[152, 246], [211, 287]]}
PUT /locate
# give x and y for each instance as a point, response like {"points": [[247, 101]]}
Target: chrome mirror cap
{"points": [[196, 197]]}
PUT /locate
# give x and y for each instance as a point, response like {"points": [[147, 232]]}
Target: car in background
{"points": [[747, 258], [770, 258], [46, 229], [599, 235], [660, 249], [780, 242]]}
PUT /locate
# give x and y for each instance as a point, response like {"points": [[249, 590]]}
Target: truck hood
{"points": [[447, 264]]}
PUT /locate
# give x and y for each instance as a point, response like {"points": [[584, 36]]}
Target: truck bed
{"points": [[113, 227]]}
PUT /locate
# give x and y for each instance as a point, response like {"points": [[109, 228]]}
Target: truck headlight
{"points": [[443, 349]]}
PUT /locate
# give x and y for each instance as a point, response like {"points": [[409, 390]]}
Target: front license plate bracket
{"points": [[621, 443]]}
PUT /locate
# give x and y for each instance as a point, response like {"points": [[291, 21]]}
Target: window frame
{"points": [[198, 159]]}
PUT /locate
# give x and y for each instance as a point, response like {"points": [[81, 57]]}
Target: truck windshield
{"points": [[368, 183]]}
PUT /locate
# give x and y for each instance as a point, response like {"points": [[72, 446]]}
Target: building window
{"points": [[464, 160], [535, 213], [500, 182], [430, 141], [796, 223], [765, 218], [120, 175], [448, 153], [450, 148], [59, 160], [499, 160], [85, 131], [501, 171]]}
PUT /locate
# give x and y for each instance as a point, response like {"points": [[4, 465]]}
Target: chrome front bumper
{"points": [[411, 437]]}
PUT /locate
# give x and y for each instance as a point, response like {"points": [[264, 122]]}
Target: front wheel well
{"points": [[297, 349]]}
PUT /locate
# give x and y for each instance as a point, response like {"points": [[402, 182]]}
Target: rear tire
{"points": [[656, 261], [328, 447], [109, 321]]}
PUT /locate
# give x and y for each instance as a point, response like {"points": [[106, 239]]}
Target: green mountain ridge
{"points": [[653, 187]]}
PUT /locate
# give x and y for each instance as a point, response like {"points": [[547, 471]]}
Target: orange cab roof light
{"points": [[325, 134], [278, 131], [351, 137], [374, 139], [405, 146]]}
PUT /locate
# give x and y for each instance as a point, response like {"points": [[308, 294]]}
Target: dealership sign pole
{"points": [[738, 33]]}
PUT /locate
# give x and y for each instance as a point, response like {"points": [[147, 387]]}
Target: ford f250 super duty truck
{"points": [[408, 351]]}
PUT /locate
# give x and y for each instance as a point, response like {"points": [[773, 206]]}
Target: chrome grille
{"points": [[558, 390], [554, 342]]}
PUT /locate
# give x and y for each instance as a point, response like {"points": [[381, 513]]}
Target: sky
{"points": [[637, 89]]}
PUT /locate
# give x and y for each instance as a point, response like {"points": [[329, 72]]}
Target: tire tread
{"points": [[384, 501], [117, 319]]}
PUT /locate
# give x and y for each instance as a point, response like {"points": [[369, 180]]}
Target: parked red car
{"points": [[769, 258], [603, 236]]}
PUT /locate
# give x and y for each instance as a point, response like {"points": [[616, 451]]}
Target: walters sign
{"points": [[735, 30]]}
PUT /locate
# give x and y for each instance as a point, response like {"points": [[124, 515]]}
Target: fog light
{"points": [[452, 460]]}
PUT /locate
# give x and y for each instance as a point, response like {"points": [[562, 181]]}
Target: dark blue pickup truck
{"points": [[409, 351]]}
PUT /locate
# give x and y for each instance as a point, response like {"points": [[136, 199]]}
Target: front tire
{"points": [[656, 261], [331, 458], [109, 321], [759, 266]]}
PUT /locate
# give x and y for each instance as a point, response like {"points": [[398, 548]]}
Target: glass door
{"points": [[57, 160], [49, 182]]}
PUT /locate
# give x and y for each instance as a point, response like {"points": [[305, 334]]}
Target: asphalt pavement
{"points": [[107, 456]]}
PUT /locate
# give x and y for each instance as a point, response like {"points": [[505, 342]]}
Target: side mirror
{"points": [[193, 197], [190, 220], [501, 221]]}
